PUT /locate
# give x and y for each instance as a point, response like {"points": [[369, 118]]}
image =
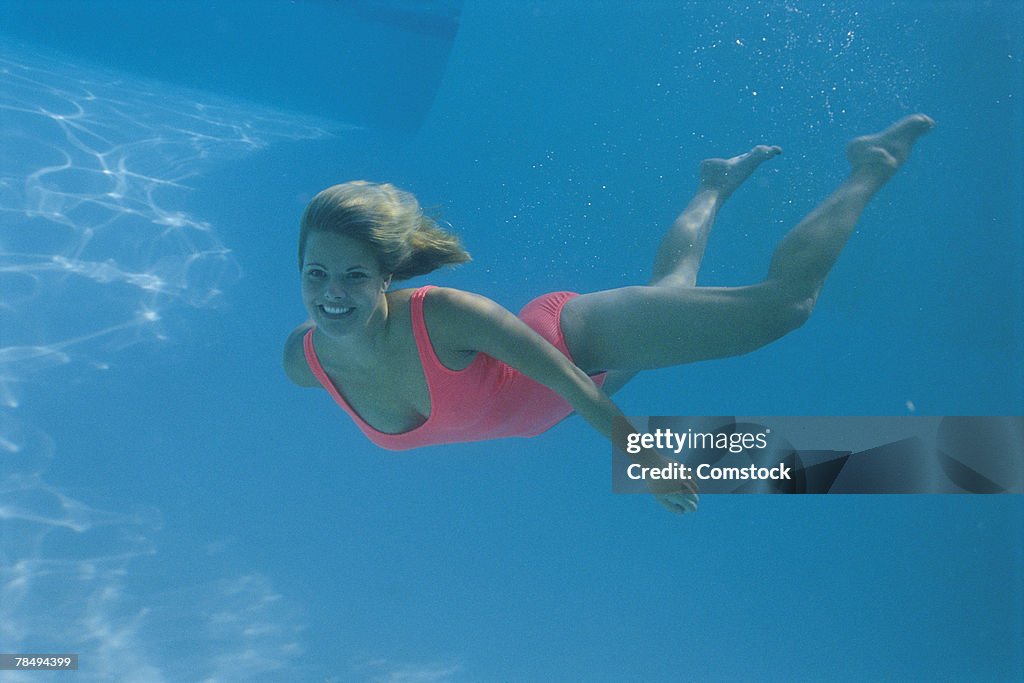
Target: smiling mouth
{"points": [[336, 312]]}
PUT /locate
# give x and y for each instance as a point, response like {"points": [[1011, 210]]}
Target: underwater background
{"points": [[172, 508]]}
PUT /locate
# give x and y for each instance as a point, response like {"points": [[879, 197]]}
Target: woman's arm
{"points": [[462, 321]]}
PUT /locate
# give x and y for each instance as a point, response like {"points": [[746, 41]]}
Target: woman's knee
{"points": [[799, 311], [791, 308]]}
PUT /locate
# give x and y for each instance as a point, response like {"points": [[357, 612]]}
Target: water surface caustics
{"points": [[95, 250]]}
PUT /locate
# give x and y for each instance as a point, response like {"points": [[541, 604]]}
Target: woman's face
{"points": [[342, 283]]}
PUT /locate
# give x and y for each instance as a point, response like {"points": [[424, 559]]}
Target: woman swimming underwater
{"points": [[416, 367]]}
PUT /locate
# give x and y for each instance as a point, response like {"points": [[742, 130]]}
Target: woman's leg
{"points": [[668, 323], [681, 251]]}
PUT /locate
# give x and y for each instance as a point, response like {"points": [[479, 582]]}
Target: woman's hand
{"points": [[675, 495], [683, 499]]}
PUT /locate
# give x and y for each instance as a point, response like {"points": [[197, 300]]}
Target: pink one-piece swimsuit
{"points": [[487, 400]]}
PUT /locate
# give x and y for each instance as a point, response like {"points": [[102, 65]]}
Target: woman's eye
{"points": [[357, 276], [316, 273]]}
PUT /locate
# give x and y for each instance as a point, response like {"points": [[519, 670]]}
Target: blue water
{"points": [[173, 509]]}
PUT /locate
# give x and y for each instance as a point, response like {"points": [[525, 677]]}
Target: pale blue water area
{"points": [[173, 509]]}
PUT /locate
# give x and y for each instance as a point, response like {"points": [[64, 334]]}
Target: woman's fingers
{"points": [[678, 502]]}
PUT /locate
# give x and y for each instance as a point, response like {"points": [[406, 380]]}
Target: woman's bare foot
{"points": [[888, 150], [725, 175]]}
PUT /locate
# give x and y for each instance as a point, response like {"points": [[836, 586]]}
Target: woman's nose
{"points": [[336, 288]]}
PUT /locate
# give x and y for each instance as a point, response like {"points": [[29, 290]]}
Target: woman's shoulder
{"points": [[446, 313], [448, 301], [295, 365], [455, 316], [439, 305], [426, 298]]}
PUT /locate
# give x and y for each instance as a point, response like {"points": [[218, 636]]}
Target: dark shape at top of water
{"points": [[371, 63]]}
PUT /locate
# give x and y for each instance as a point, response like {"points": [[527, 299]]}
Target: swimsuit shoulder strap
{"points": [[428, 358]]}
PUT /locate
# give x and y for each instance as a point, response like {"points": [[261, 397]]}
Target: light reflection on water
{"points": [[94, 253]]}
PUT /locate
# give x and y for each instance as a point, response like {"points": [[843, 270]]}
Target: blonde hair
{"points": [[389, 220]]}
